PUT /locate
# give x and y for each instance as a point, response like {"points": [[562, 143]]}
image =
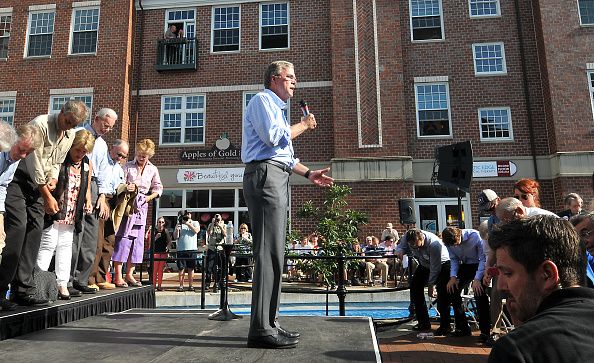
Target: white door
{"points": [[433, 215]]}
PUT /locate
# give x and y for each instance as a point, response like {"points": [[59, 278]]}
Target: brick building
{"points": [[388, 81]]}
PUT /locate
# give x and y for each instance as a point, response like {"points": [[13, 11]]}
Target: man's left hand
{"points": [[319, 178], [309, 121], [101, 207]]}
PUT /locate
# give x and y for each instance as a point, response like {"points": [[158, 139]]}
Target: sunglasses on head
{"points": [[522, 196]]}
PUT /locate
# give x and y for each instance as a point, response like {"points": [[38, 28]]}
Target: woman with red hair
{"points": [[527, 191]]}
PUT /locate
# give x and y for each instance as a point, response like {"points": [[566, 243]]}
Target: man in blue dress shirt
{"points": [[267, 151], [467, 258], [28, 139]]}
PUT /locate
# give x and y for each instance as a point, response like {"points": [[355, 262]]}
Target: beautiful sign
{"points": [[210, 175], [221, 150], [490, 169]]}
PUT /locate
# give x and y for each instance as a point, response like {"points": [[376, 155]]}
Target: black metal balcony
{"points": [[176, 53]]}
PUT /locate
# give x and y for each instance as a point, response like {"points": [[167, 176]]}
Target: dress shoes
{"points": [[422, 327], [63, 296], [7, 305], [442, 331], [288, 334], [74, 292], [462, 333], [277, 341], [94, 286], [85, 289], [30, 301]]}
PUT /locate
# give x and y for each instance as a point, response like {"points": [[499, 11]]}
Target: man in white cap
{"points": [[389, 231], [487, 201]]}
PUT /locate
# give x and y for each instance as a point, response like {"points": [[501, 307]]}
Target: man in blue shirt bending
{"points": [[267, 151], [467, 257]]}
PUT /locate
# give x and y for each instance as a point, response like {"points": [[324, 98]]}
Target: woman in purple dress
{"points": [[142, 175]]}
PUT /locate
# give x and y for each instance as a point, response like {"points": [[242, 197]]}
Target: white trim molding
{"points": [[168, 4], [214, 89], [590, 66], [431, 79], [42, 7], [377, 79], [82, 4], [5, 10], [70, 91], [8, 94]]}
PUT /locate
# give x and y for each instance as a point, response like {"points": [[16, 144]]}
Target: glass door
{"points": [[433, 215]]}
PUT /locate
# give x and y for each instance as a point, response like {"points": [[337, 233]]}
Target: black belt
{"points": [[93, 178], [278, 164]]}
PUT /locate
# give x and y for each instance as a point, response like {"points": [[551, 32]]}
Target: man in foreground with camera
{"points": [[216, 233], [186, 232]]}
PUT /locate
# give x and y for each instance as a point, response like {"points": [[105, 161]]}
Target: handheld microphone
{"points": [[304, 108]]}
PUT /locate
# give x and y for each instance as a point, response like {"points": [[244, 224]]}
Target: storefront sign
{"points": [[221, 150], [210, 175], [490, 169]]}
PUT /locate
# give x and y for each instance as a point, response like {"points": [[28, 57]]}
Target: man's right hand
{"points": [[51, 185], [452, 285], [51, 206]]}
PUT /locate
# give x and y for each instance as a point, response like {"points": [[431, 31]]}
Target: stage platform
{"points": [[152, 335], [30, 319]]}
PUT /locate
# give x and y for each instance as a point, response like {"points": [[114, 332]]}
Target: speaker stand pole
{"points": [[224, 313]]}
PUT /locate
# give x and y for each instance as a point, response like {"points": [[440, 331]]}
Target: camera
{"points": [[182, 217], [217, 218]]}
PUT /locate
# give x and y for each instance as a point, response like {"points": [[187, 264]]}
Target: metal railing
{"points": [[176, 53]]}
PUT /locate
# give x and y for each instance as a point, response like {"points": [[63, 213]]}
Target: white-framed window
{"points": [[183, 19], [226, 22], [495, 124], [586, 9], [5, 24], [274, 25], [591, 88], [7, 105], [489, 58], [85, 26], [57, 101], [426, 20], [183, 119], [247, 96], [40, 33], [484, 8], [433, 109]]}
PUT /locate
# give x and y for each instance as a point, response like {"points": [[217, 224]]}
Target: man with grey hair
{"points": [[118, 154], [573, 204], [28, 138], [8, 136], [584, 225], [84, 246], [511, 208], [267, 151], [29, 197]]}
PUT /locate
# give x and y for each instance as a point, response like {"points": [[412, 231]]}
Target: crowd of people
{"points": [[71, 204]]}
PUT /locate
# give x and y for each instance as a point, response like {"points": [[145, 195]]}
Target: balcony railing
{"points": [[176, 53]]}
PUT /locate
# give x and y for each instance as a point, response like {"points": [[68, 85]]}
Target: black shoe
{"points": [[74, 292], [443, 331], [492, 339], [63, 296], [7, 305], [422, 327], [30, 301], [483, 337], [85, 289], [272, 342], [462, 333], [288, 334]]}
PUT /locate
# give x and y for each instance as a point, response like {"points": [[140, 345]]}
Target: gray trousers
{"points": [[266, 191], [84, 245]]}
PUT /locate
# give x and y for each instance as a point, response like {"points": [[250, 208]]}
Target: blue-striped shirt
{"points": [[7, 169], [266, 132]]}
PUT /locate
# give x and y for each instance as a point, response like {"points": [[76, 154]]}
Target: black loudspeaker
{"points": [[407, 211], [455, 165]]}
